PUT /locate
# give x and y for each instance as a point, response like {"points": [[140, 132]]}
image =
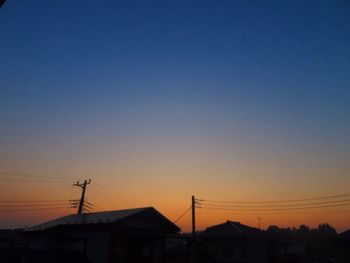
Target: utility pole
{"points": [[82, 199], [259, 219], [193, 217]]}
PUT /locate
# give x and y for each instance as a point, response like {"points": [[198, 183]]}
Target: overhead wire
{"points": [[34, 205], [325, 203], [33, 201], [36, 176], [54, 181], [37, 205], [276, 201], [114, 194], [86, 206], [275, 209], [179, 218], [277, 206], [31, 209], [95, 206], [12, 177], [104, 196], [100, 190]]}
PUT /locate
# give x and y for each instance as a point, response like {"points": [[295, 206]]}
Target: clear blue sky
{"points": [[282, 62], [248, 80]]}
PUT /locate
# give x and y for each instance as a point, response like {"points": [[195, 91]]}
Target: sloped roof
{"points": [[90, 218], [231, 229], [345, 235]]}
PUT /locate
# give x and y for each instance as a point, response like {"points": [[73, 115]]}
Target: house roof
{"points": [[231, 229], [345, 235], [94, 218]]}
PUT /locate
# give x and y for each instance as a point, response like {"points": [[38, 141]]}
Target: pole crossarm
{"points": [[82, 199]]}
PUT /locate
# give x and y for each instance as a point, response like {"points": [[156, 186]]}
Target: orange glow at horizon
{"points": [[171, 204], [165, 176], [205, 218]]}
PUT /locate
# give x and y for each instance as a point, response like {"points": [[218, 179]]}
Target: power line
{"points": [[34, 205], [274, 209], [33, 181], [86, 209], [32, 209], [276, 206], [183, 214], [322, 211], [95, 206], [89, 207], [276, 201], [32, 201], [114, 194], [86, 206], [36, 176], [104, 196]]}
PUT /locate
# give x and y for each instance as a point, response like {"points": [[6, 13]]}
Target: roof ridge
{"points": [[108, 211], [95, 217], [233, 224]]}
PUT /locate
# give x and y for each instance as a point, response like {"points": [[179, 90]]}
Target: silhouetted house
{"points": [[8, 238], [297, 252], [341, 247], [180, 249], [235, 242], [132, 235], [8, 244]]}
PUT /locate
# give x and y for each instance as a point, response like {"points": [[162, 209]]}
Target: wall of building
{"points": [[93, 243]]}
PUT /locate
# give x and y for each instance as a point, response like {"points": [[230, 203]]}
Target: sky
{"points": [[157, 101]]}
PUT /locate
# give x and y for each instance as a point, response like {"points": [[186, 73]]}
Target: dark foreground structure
{"points": [[143, 235], [341, 247], [235, 242], [133, 235]]}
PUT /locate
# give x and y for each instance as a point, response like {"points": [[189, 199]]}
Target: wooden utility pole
{"points": [[193, 216], [82, 199], [259, 219]]}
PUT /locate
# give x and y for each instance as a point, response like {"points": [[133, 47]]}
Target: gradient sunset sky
{"points": [[156, 101]]}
